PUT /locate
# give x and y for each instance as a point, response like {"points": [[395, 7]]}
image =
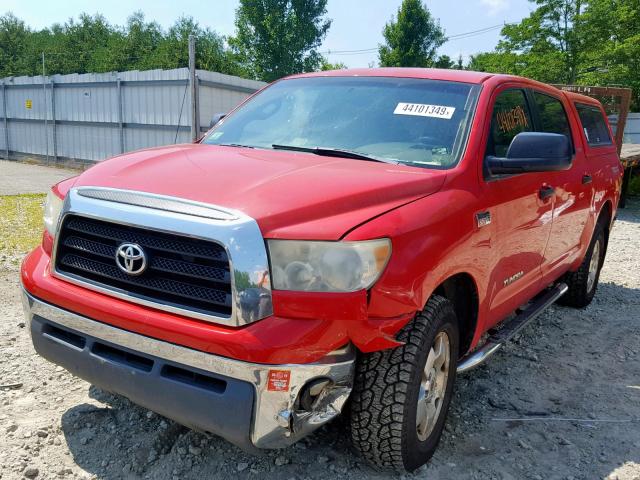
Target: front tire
{"points": [[401, 396], [583, 283]]}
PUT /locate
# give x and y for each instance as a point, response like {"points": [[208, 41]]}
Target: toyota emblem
{"points": [[131, 259]]}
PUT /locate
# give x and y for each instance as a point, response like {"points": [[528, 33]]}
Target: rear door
{"points": [[572, 187], [600, 150], [601, 155]]}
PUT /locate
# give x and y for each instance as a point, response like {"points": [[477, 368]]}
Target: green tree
{"points": [[91, 44], [444, 61], [497, 62], [136, 46], [275, 38], [412, 38], [588, 42], [326, 65], [84, 44], [14, 36], [613, 27], [550, 41], [211, 52]]}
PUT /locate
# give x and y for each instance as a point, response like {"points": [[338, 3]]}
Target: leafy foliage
{"points": [[445, 61], [276, 38], [613, 27], [326, 65], [588, 42], [91, 44], [412, 38], [15, 48]]}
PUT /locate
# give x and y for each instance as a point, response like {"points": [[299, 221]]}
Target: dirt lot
{"points": [[19, 178], [563, 402]]}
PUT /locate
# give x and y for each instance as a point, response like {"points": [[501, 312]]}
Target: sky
{"points": [[356, 24]]}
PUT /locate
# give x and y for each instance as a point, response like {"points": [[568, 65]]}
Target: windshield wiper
{"points": [[237, 145], [332, 152]]}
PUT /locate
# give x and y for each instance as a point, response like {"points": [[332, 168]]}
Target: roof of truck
{"points": [[578, 97], [466, 76]]}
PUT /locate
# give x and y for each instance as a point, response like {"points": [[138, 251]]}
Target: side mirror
{"points": [[533, 152], [216, 119]]}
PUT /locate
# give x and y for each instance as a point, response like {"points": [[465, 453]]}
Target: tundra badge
{"points": [[516, 276]]}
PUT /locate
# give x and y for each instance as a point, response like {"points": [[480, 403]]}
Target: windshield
{"points": [[411, 121]]}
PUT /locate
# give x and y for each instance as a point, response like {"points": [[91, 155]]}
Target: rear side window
{"points": [[510, 117], [594, 125], [553, 118]]}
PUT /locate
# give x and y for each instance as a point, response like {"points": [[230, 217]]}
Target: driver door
{"points": [[520, 208]]}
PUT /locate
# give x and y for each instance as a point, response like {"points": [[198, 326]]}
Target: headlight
{"points": [[52, 209], [327, 266]]}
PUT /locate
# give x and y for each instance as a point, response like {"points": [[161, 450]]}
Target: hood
{"points": [[290, 194]]}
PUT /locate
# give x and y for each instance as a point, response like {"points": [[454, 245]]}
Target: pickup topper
{"points": [[359, 235]]}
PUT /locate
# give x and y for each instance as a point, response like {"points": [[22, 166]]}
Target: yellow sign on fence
{"points": [[28, 103]]}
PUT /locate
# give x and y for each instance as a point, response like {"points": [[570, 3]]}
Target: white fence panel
{"points": [[93, 116]]}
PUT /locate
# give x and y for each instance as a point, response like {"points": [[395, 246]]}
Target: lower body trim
{"points": [[246, 403]]}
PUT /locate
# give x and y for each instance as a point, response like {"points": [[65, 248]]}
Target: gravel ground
{"points": [[18, 177], [562, 402]]}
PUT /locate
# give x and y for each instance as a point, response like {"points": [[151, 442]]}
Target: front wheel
{"points": [[401, 396]]}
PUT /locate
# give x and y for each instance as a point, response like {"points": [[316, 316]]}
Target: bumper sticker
{"points": [[424, 110], [278, 380]]}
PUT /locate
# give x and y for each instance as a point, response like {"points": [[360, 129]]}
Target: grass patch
{"points": [[20, 223]]}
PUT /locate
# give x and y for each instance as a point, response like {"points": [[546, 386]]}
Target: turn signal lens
{"points": [[52, 209]]}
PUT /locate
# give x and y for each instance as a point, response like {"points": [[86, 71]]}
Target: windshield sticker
{"points": [[422, 110]]}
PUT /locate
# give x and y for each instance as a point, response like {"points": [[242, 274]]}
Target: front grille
{"points": [[183, 272]]}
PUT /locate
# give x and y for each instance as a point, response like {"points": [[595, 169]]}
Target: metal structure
{"points": [[89, 117], [616, 100]]}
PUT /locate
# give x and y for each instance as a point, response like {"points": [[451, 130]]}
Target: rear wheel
{"points": [[401, 396], [583, 283]]}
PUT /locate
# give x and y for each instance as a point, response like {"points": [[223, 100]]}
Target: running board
{"points": [[496, 341]]}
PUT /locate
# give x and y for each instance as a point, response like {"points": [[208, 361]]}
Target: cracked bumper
{"points": [[250, 405]]}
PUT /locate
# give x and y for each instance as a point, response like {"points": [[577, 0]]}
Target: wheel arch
{"points": [[605, 218], [462, 291]]}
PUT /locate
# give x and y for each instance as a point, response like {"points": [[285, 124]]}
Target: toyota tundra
{"points": [[343, 241]]}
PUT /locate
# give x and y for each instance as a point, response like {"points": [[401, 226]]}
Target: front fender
{"points": [[433, 239]]}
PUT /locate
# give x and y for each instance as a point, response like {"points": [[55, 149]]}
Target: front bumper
{"points": [[251, 405]]}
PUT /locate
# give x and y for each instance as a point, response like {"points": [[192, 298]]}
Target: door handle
{"points": [[546, 191], [586, 179]]}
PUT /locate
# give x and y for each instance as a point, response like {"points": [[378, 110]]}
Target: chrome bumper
{"points": [[278, 418]]}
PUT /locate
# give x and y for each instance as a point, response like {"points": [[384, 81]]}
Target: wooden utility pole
{"points": [[44, 102], [193, 84]]}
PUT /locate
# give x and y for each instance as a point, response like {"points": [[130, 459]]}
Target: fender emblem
{"points": [[516, 276]]}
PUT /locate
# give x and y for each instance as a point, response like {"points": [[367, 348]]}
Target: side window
{"points": [[594, 125], [553, 118], [510, 117]]}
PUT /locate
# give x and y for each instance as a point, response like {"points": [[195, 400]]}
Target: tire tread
{"points": [[382, 383]]}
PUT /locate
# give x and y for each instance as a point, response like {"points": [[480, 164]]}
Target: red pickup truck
{"points": [[345, 240]]}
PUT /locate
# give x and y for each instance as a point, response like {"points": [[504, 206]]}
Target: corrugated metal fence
{"points": [[90, 117]]}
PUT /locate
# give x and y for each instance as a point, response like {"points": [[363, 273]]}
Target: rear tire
{"points": [[401, 396], [583, 283]]}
